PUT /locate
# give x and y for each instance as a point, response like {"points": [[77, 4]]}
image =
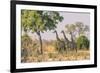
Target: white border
{"points": [[51, 64]]}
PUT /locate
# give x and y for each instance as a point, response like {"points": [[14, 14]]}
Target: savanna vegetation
{"points": [[76, 47]]}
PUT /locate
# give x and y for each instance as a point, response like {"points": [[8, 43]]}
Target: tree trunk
{"points": [[40, 39]]}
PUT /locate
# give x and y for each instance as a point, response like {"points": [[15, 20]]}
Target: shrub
{"points": [[82, 42]]}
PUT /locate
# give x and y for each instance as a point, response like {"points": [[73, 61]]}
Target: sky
{"points": [[69, 18]]}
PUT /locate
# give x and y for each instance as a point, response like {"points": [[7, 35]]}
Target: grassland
{"points": [[29, 52], [52, 55]]}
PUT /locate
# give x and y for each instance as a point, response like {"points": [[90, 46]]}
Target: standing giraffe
{"points": [[60, 44], [68, 43], [71, 44]]}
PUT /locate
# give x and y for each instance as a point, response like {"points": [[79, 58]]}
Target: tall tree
{"points": [[39, 21]]}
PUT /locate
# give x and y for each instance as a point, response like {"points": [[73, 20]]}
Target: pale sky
{"points": [[69, 18]]}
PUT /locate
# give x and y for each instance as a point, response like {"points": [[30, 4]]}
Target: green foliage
{"points": [[37, 21], [76, 30], [83, 42]]}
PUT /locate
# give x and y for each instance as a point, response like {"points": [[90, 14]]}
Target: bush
{"points": [[28, 46], [82, 42]]}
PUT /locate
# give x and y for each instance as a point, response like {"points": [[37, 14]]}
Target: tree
{"points": [[71, 29], [39, 21], [81, 28], [83, 42]]}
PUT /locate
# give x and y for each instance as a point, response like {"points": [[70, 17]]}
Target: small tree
{"points": [[39, 21], [83, 42]]}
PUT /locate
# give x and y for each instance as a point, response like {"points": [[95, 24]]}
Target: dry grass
{"points": [[53, 55]]}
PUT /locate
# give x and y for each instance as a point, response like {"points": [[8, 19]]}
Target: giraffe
{"points": [[67, 42], [71, 44], [60, 44]]}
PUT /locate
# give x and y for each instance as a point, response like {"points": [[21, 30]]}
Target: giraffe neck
{"points": [[57, 36], [65, 37]]}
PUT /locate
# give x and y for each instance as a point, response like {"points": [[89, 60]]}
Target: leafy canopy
{"points": [[71, 29], [36, 21], [81, 28], [82, 42]]}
